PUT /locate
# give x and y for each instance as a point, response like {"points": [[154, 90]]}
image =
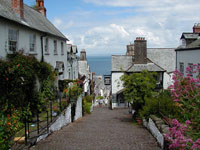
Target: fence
{"points": [[38, 125]]}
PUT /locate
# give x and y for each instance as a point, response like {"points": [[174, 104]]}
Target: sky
{"points": [[105, 27]]}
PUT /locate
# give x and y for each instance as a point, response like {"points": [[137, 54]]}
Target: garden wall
{"points": [[63, 120], [158, 129], [78, 108]]}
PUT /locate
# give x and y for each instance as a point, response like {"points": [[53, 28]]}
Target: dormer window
{"points": [[183, 43]]}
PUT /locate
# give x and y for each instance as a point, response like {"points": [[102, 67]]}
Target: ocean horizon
{"points": [[101, 65]]}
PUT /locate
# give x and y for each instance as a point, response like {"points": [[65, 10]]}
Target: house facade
{"points": [[188, 53], [72, 59], [84, 72], [135, 60], [28, 30]]}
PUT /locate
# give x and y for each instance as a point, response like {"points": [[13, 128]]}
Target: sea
{"points": [[101, 65]]}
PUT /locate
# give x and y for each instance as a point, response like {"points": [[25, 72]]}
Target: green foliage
{"points": [[73, 92], [9, 124], [138, 86], [87, 103], [19, 90], [99, 97], [161, 103]]}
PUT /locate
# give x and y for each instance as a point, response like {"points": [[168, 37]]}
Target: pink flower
{"points": [[187, 122]]}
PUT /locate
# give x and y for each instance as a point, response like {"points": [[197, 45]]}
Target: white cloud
{"points": [[160, 22]]}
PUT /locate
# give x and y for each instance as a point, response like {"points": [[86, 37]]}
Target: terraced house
{"points": [[26, 29]]}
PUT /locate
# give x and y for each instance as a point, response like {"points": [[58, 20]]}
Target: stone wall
{"points": [[158, 129]]}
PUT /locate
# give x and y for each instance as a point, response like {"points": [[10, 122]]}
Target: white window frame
{"points": [[32, 42], [46, 45], [13, 40]]}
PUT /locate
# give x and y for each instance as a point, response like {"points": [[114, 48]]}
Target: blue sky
{"points": [[105, 27]]}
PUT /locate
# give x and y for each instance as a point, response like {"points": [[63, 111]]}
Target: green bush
{"points": [[87, 103], [99, 97], [161, 103]]}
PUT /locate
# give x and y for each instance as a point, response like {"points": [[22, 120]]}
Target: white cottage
{"points": [[84, 71], [188, 53], [23, 28], [139, 58]]}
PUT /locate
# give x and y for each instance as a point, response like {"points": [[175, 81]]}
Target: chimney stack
{"points": [[196, 28], [130, 50], [140, 50], [18, 7], [83, 55], [40, 7]]}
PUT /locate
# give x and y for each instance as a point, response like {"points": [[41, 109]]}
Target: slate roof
{"points": [[188, 35], [148, 66], [121, 62], [125, 63], [32, 19], [194, 44], [164, 57]]}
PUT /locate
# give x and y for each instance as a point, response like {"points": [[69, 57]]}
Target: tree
{"points": [[137, 87]]}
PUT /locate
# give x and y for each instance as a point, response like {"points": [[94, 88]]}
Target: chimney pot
{"points": [[40, 7], [196, 28]]}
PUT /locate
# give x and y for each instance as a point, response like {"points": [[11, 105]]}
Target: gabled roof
{"points": [[164, 57], [32, 19], [150, 66], [121, 62], [187, 35]]}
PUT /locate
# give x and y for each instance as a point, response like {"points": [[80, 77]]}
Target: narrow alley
{"points": [[104, 129]]}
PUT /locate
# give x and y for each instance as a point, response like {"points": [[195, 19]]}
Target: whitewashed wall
{"points": [[23, 44], [78, 108], [116, 82], [189, 56]]}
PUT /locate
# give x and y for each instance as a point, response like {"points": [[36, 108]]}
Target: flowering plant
{"points": [[186, 94], [178, 138], [9, 124]]}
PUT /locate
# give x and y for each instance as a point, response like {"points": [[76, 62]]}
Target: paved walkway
{"points": [[104, 129]]}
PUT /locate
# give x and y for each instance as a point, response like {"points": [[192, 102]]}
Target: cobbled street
{"points": [[104, 129]]}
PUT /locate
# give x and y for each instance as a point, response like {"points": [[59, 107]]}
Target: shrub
{"points": [[87, 103], [137, 87], [161, 103]]}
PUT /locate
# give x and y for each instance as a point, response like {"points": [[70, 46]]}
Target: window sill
{"points": [[46, 53], [33, 53]]}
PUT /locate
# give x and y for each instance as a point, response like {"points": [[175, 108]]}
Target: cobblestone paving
{"points": [[104, 129]]}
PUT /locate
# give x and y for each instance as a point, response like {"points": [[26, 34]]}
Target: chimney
{"points": [[140, 50], [40, 7], [83, 55], [130, 50], [18, 7], [196, 28]]}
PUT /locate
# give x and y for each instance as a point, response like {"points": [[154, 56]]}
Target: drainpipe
{"points": [[41, 38]]}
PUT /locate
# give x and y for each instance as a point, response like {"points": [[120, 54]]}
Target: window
{"points": [[12, 39], [182, 68], [62, 49], [32, 40], [46, 45], [191, 69], [55, 47]]}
